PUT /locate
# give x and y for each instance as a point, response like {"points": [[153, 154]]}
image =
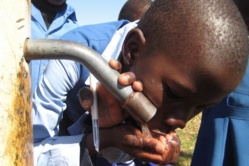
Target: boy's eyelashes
{"points": [[203, 107], [207, 107], [171, 93]]}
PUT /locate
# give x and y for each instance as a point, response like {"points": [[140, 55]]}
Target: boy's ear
{"points": [[132, 46]]}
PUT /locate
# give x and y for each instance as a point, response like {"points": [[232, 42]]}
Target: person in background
{"points": [[224, 131], [50, 19], [159, 50], [134, 9]]}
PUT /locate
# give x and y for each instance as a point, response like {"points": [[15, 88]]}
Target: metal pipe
{"points": [[135, 103]]}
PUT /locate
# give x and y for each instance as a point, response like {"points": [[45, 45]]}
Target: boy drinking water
{"points": [[187, 55]]}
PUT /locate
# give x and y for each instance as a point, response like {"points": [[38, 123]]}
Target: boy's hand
{"points": [[127, 78], [110, 112], [161, 149], [109, 109]]}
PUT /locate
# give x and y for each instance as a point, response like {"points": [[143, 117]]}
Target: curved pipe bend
{"points": [[137, 105]]}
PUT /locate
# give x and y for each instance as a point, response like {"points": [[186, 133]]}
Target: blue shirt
{"points": [[62, 23], [59, 87], [223, 135]]}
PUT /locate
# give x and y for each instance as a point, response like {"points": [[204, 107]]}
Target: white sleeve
{"points": [[48, 106], [61, 151], [50, 96], [115, 155]]}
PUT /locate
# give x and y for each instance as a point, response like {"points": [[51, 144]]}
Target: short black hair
{"points": [[214, 29], [134, 9]]}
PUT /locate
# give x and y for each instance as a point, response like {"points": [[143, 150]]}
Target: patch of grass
{"points": [[188, 137]]}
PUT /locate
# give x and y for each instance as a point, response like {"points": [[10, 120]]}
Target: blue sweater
{"points": [[223, 135]]}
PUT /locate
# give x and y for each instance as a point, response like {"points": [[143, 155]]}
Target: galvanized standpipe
{"points": [[137, 105]]}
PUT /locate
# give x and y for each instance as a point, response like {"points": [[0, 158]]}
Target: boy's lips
{"points": [[163, 133], [161, 128]]}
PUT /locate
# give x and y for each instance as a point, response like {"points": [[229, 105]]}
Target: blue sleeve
{"points": [[96, 36]]}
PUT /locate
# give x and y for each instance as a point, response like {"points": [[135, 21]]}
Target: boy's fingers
{"points": [[148, 154], [160, 150], [176, 154], [86, 98], [176, 145], [137, 86], [171, 143], [126, 78], [163, 153], [115, 64]]}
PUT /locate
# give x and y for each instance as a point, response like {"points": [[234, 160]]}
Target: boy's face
{"points": [[180, 87]]}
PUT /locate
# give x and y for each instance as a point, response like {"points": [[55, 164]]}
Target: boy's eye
{"points": [[203, 107], [172, 94]]}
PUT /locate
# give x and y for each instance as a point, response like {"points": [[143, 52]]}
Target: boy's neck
{"points": [[48, 10]]}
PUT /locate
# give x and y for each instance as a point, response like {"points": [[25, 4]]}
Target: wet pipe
{"points": [[135, 103]]}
